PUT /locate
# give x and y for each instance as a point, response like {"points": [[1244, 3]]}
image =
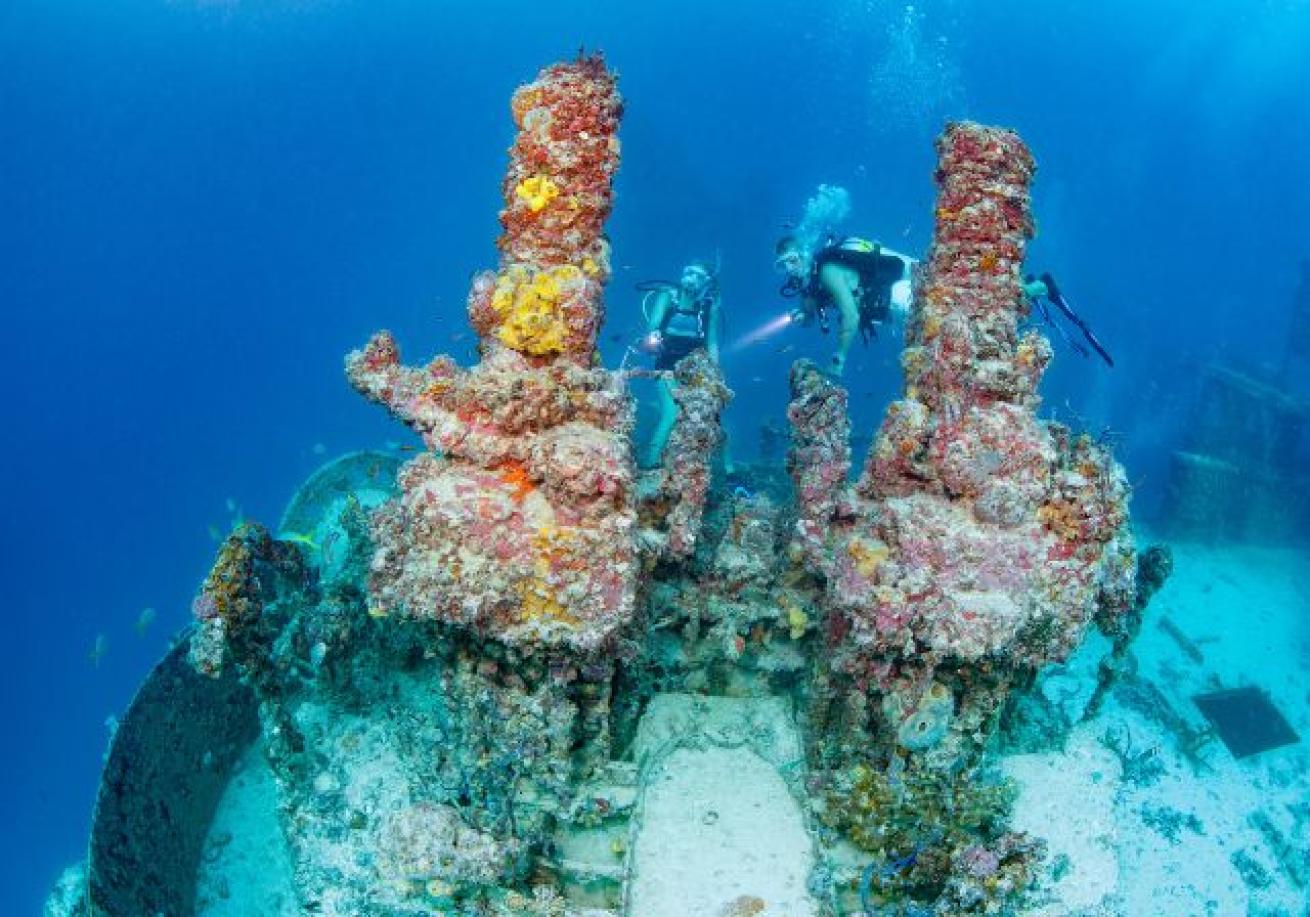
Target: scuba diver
{"points": [[679, 318], [1043, 290], [866, 283]]}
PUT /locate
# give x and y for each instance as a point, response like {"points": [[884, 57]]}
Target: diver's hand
{"points": [[652, 342], [797, 316], [1034, 288]]}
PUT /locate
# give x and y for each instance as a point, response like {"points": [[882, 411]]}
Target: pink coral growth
{"points": [[688, 455], [979, 531], [521, 526], [820, 456], [677, 491]]}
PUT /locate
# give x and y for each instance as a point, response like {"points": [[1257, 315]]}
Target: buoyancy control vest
{"points": [[689, 320], [877, 273]]}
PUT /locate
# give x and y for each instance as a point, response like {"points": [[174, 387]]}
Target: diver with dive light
{"points": [[867, 284]]}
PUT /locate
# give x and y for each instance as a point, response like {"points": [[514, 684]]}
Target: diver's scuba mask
{"points": [[791, 263], [695, 280]]}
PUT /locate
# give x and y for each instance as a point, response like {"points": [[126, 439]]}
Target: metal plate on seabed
{"points": [[1246, 720]]}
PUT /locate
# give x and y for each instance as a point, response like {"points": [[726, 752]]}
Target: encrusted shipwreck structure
{"points": [[520, 525], [473, 682], [978, 541], [977, 544]]}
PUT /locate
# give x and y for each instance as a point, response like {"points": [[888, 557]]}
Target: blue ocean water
{"points": [[204, 205]]}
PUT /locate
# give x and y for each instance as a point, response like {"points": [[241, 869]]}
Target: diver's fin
{"points": [[1054, 295], [1052, 289]]}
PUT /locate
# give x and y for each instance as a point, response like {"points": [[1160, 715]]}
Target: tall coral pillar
{"points": [[519, 524], [545, 301], [979, 539]]}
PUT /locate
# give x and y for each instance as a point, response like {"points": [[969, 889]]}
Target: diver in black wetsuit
{"points": [[679, 318], [866, 284]]}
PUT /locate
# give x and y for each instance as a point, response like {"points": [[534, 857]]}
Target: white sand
{"points": [[717, 823], [246, 867], [1178, 839], [1084, 832]]}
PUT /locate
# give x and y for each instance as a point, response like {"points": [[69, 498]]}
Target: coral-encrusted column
{"points": [[546, 299], [992, 526], [520, 522], [685, 467], [978, 535], [819, 459]]}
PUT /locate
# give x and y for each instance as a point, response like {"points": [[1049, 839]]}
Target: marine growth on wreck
{"points": [[522, 652]]}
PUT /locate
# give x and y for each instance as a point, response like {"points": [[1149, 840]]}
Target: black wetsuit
{"points": [[685, 327], [877, 272]]}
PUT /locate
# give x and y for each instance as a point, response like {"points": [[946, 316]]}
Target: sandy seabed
{"points": [[1163, 832]]}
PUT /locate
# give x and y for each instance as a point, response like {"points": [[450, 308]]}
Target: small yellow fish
{"points": [[376, 611], [98, 650], [298, 538], [144, 620]]}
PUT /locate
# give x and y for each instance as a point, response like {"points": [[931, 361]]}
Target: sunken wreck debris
{"points": [[1241, 475], [978, 541], [468, 672], [430, 713]]}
